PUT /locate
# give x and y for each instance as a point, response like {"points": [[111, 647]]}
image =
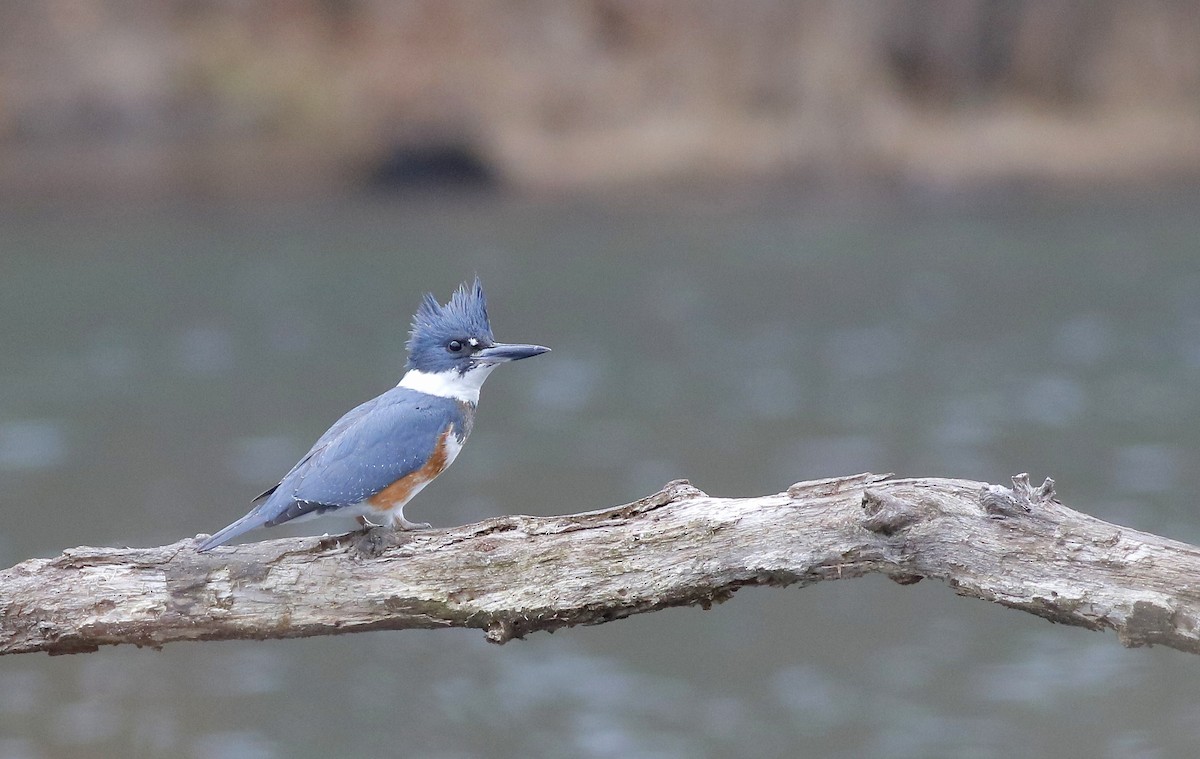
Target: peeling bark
{"points": [[514, 575]]}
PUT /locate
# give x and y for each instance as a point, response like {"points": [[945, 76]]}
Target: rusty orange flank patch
{"points": [[402, 489]]}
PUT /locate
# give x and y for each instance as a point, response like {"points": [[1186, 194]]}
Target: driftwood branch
{"points": [[515, 575]]}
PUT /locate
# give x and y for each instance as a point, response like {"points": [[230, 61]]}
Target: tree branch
{"points": [[515, 575]]}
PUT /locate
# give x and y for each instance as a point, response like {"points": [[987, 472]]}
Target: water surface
{"points": [[164, 364]]}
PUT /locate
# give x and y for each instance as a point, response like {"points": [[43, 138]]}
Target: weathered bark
{"points": [[514, 575]]}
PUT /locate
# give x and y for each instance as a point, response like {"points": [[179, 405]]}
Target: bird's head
{"points": [[457, 337]]}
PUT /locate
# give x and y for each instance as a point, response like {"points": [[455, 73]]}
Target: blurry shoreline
{"points": [[940, 160], [119, 98]]}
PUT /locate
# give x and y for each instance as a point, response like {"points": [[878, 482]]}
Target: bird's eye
{"points": [[454, 346]]}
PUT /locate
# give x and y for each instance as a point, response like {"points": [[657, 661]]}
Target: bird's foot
{"points": [[400, 523]]}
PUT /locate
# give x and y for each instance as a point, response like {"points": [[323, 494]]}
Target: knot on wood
{"points": [[1000, 502], [679, 490], [501, 631], [887, 514], [1148, 623], [376, 541]]}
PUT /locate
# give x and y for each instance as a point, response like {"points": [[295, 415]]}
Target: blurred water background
{"points": [[178, 325]]}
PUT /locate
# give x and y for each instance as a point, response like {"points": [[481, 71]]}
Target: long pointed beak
{"points": [[501, 352]]}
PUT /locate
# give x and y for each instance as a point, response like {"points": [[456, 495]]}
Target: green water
{"points": [[164, 364]]}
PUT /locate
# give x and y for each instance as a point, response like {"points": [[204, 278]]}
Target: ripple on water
{"points": [[90, 720], [239, 744], [18, 748], [204, 351], [1055, 401], [22, 691], [1146, 468], [32, 444]]}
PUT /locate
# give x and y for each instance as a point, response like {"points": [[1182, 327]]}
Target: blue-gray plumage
{"points": [[374, 459]]}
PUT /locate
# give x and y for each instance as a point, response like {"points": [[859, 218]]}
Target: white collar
{"points": [[449, 384]]}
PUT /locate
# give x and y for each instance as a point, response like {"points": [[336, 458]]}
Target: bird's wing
{"points": [[374, 450]]}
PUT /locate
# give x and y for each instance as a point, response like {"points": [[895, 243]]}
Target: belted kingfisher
{"points": [[374, 459]]}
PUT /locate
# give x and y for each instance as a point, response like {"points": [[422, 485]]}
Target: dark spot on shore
{"points": [[432, 166]]}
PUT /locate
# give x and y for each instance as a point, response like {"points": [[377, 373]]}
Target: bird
{"points": [[379, 455]]}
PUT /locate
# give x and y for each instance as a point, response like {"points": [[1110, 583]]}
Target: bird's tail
{"points": [[254, 519]]}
